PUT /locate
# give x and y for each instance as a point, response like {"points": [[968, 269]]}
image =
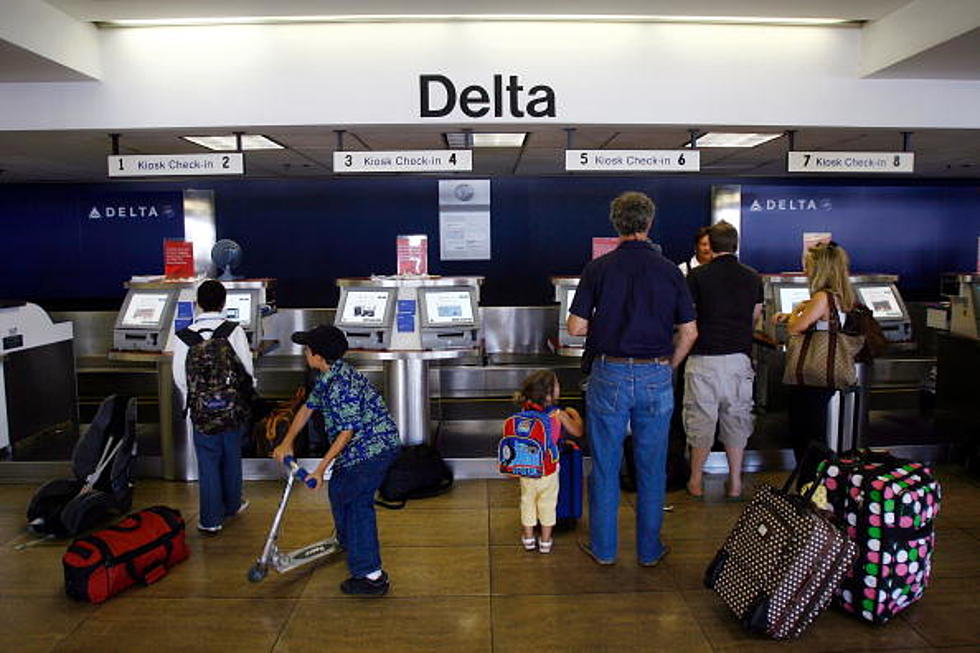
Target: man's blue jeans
{"points": [[352, 491], [642, 395], [219, 472]]}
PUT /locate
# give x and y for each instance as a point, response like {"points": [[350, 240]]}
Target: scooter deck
{"points": [[283, 562]]}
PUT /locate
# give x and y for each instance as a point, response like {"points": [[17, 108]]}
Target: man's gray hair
{"points": [[631, 213]]}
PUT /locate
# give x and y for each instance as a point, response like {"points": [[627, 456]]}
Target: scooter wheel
{"points": [[257, 572]]}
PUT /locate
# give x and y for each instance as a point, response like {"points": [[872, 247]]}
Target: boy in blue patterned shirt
{"points": [[363, 443]]}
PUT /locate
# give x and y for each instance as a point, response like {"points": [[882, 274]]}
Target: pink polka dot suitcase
{"points": [[888, 506], [782, 563]]}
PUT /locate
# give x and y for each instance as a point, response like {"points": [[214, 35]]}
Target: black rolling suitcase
{"points": [[781, 564]]}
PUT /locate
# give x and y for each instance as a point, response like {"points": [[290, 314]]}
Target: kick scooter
{"points": [[282, 561]]}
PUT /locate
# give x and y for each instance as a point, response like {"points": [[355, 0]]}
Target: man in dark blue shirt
{"points": [[628, 304]]}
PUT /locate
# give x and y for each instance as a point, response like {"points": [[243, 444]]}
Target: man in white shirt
{"points": [[219, 450]]}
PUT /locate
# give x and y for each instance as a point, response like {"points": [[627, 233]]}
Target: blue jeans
{"points": [[352, 491], [219, 470], [642, 395]]}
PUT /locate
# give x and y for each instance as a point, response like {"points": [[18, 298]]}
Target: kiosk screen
{"points": [[145, 309], [365, 307], [448, 308], [567, 303], [238, 308], [882, 301], [790, 296]]}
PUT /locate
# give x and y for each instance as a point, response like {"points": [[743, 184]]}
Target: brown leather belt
{"points": [[663, 360]]}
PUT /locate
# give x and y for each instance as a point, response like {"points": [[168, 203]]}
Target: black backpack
{"points": [[418, 472], [219, 390]]}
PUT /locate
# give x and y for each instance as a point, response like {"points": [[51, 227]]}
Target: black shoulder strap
{"points": [[225, 329], [189, 337]]}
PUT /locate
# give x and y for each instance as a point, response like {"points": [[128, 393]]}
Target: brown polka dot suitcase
{"points": [[781, 564]]}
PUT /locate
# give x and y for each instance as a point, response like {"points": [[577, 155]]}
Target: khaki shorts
{"points": [[539, 500], [718, 390]]}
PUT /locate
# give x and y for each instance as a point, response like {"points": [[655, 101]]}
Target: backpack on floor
{"points": [[417, 473], [102, 462], [219, 389], [527, 448], [888, 506]]}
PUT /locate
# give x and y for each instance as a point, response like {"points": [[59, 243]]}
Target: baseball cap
{"points": [[325, 340]]}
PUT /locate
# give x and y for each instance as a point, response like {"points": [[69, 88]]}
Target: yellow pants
{"points": [[539, 499]]}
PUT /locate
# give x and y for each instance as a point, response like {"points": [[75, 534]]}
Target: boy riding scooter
{"points": [[363, 443]]}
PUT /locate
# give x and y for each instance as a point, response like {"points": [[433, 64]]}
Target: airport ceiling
{"points": [[75, 156]]}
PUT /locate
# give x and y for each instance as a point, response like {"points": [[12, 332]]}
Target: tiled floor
{"points": [[460, 582]]}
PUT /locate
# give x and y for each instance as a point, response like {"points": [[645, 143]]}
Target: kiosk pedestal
{"points": [[406, 387]]}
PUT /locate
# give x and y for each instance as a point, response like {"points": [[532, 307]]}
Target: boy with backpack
{"points": [[213, 371]]}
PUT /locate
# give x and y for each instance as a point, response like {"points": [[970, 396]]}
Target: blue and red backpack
{"points": [[529, 446]]}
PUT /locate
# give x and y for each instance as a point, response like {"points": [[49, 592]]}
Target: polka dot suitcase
{"points": [[888, 506], [781, 564]]}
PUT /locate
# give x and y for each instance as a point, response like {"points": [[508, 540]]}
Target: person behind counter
{"points": [[539, 496], [628, 304], [827, 269], [702, 251], [718, 378], [364, 443], [200, 375]]}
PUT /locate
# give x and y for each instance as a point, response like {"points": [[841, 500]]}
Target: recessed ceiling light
{"points": [[229, 143], [733, 139], [484, 139]]}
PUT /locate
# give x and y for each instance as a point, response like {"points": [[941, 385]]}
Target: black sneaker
{"points": [[366, 586]]}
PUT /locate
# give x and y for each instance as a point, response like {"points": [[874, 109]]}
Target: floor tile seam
{"points": [[285, 624], [695, 615], [511, 595]]}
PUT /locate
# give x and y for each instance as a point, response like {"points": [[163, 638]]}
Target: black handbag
{"points": [[418, 472]]}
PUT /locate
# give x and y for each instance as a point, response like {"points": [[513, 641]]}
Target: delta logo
{"points": [[792, 204], [130, 211]]}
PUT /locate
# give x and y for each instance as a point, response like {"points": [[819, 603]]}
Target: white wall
{"points": [[340, 74]]}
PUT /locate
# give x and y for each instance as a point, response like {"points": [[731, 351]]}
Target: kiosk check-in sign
{"points": [[176, 165]]}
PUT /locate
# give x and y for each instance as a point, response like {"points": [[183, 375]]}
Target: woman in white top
{"points": [[702, 251], [827, 268]]}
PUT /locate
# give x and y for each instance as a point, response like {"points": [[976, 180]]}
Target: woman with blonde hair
{"points": [[827, 268]]}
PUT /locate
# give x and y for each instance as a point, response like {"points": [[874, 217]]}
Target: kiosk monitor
{"points": [[242, 306], [365, 307], [145, 310], [790, 296], [882, 302], [447, 307]]}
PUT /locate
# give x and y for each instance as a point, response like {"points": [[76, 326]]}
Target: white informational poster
{"points": [[882, 301], [446, 308], [365, 307], [790, 296], [464, 220], [145, 309]]}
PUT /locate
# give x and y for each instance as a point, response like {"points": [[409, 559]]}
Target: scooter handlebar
{"points": [[299, 472]]}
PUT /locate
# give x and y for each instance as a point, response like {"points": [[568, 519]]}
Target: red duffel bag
{"points": [[138, 550]]}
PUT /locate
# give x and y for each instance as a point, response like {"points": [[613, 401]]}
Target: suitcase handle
{"points": [[812, 450], [151, 573]]}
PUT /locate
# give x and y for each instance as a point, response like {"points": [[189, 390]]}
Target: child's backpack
{"points": [[527, 447], [219, 390]]}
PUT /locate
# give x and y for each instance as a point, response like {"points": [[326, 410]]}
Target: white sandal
{"points": [[529, 543], [545, 546]]}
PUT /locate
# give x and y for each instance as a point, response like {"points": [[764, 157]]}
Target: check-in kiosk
{"points": [[964, 319], [145, 320], [878, 292], [405, 322], [38, 398], [244, 305], [448, 317], [565, 288], [364, 314]]}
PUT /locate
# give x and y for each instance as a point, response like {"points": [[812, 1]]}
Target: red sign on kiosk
{"points": [[178, 259], [603, 245], [413, 254]]}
